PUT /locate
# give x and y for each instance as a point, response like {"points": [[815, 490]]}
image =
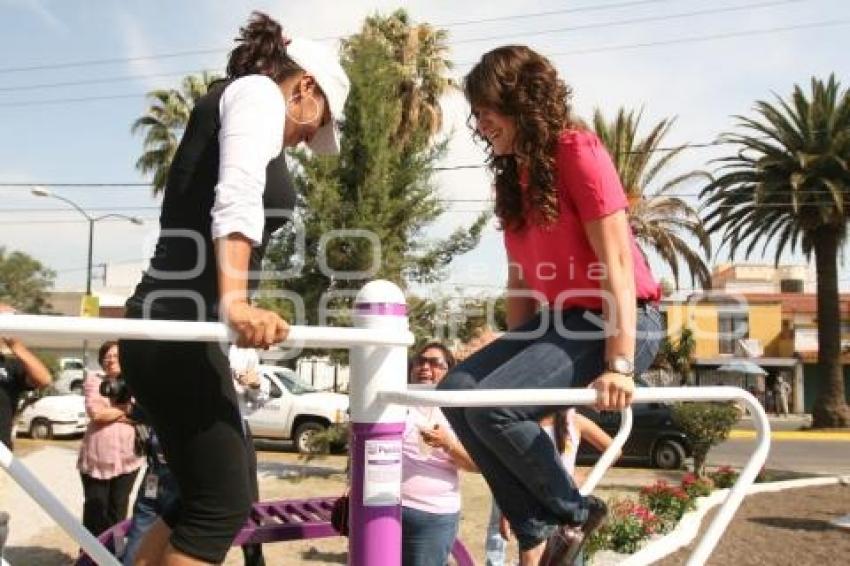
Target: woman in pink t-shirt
{"points": [[108, 461], [431, 459], [581, 301]]}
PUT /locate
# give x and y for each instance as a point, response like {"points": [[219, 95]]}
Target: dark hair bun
{"points": [[261, 50]]}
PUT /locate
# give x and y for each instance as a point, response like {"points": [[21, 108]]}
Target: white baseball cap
{"points": [[323, 63]]}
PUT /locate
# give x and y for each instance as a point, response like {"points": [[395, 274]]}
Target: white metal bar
{"points": [[507, 397], [606, 459], [55, 508], [32, 326]]}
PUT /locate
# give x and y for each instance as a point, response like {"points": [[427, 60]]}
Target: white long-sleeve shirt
{"points": [[253, 112]]}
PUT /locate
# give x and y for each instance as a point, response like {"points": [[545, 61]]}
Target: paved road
{"points": [[810, 456]]}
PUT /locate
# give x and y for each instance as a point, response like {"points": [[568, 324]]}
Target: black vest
{"points": [[182, 281]]}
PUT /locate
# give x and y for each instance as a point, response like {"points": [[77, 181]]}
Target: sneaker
{"points": [[564, 545]]}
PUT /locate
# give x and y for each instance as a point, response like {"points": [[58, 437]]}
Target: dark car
{"points": [[655, 439]]}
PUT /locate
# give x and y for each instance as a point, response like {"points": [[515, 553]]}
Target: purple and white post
{"points": [[376, 430]]}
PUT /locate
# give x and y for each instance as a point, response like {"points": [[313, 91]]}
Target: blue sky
{"points": [[48, 134]]}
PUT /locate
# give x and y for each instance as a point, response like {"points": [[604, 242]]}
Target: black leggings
{"points": [[105, 502], [188, 393]]}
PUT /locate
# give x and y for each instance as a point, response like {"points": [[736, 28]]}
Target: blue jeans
{"points": [[147, 510], [495, 547], [427, 538], [560, 349]]}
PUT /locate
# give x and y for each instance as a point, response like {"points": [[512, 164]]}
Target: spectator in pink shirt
{"points": [[431, 459], [108, 460]]}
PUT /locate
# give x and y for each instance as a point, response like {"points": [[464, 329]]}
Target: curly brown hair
{"points": [[518, 82]]}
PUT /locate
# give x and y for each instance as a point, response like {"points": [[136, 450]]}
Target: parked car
{"points": [[52, 416], [655, 439], [295, 410], [72, 373]]}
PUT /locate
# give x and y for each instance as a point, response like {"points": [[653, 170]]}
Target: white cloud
{"points": [[37, 8], [137, 45]]}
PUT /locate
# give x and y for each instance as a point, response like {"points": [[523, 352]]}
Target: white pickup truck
{"points": [[294, 410], [72, 373]]}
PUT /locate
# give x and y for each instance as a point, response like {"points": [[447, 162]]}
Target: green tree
{"points": [[24, 282], [661, 221], [707, 425], [788, 184], [163, 125], [380, 184]]}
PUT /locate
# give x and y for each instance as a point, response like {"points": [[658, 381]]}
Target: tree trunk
{"points": [[830, 409]]}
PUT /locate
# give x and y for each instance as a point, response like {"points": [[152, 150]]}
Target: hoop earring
{"points": [[301, 121]]}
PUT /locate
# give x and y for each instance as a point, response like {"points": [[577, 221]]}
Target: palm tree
{"points": [[163, 124], [661, 221], [679, 354], [789, 185], [420, 53]]}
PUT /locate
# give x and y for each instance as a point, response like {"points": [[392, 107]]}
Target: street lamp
{"points": [[43, 192]]}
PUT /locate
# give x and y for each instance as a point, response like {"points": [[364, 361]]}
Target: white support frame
{"points": [[24, 326], [494, 397]]}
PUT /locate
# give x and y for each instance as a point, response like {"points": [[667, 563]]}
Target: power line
{"points": [[74, 221], [176, 54], [698, 39], [68, 100], [119, 79], [29, 185], [63, 209], [586, 51], [502, 36], [105, 80], [629, 21], [578, 9]]}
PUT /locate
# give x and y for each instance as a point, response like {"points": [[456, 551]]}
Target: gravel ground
{"points": [[785, 528]]}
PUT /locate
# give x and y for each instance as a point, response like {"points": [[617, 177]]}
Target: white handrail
{"points": [[57, 511], [29, 326], [509, 397], [606, 459], [325, 337]]}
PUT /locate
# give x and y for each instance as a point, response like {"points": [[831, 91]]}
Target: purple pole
{"points": [[375, 498]]}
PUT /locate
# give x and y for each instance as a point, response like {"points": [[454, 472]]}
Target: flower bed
{"points": [[656, 511]]}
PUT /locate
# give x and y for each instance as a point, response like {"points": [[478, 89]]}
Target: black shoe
{"points": [[564, 545]]}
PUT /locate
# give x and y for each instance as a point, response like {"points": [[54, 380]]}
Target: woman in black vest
{"points": [[228, 189]]}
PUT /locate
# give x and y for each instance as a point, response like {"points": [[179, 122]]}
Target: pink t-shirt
{"points": [[429, 477], [557, 260], [107, 449]]}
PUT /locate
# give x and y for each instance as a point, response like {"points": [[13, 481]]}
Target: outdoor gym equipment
{"points": [[379, 393]]}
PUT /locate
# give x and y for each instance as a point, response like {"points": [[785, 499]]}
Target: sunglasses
{"points": [[436, 363]]}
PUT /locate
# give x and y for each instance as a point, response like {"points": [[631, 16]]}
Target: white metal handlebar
{"points": [[506, 397], [605, 461], [26, 326], [53, 507]]}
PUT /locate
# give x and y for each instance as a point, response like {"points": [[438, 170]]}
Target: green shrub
{"points": [[706, 424]]}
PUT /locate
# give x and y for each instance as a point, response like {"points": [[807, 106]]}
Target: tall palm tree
{"points": [[163, 124], [420, 52], [660, 220], [789, 185]]}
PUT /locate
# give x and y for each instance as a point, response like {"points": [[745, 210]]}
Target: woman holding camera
{"points": [[108, 461]]}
